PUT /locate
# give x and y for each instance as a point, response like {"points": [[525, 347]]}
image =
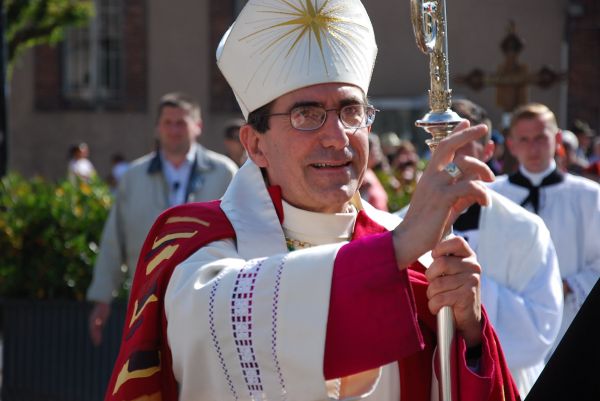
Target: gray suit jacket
{"points": [[141, 196]]}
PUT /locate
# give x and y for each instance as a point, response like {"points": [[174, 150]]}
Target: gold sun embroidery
{"points": [[290, 31]]}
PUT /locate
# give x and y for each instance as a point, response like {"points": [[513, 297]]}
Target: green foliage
{"points": [[400, 190], [398, 194], [49, 235], [34, 22]]}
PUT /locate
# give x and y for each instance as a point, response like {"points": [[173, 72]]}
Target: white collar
{"points": [[537, 178], [318, 228]]}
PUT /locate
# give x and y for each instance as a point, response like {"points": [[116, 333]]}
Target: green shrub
{"points": [[398, 189], [49, 235]]}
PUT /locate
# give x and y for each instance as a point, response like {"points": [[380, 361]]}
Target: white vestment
{"points": [[520, 286], [571, 211], [240, 345]]}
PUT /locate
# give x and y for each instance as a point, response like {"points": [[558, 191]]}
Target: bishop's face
{"points": [[317, 170], [532, 141]]}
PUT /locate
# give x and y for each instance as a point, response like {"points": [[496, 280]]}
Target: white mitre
{"points": [[277, 46]]}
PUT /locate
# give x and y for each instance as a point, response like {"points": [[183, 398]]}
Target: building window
{"points": [[93, 56], [100, 66]]}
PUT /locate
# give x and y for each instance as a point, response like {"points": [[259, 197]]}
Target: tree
{"points": [[28, 23], [34, 22]]}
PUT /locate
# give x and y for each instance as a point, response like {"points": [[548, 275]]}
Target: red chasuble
{"points": [[375, 316]]}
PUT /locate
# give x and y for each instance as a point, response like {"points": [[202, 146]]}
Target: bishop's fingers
{"points": [[462, 134], [452, 280], [466, 192], [453, 245], [473, 169]]}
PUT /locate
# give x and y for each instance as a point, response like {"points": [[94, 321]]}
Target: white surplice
{"points": [[571, 211], [520, 286]]}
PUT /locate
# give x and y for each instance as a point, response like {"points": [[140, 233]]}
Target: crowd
{"points": [[294, 265]]}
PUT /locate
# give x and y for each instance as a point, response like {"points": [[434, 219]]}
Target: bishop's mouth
{"points": [[330, 165]]}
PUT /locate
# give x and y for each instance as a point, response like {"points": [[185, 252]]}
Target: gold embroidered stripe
{"points": [[158, 242], [137, 314], [125, 375], [163, 255], [187, 219]]}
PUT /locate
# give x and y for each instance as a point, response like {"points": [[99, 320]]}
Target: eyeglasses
{"points": [[310, 118]]}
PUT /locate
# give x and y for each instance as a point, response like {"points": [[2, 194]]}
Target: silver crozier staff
{"points": [[429, 24]]}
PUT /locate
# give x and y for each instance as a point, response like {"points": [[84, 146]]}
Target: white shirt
{"points": [[520, 285], [571, 211], [178, 177], [82, 168]]}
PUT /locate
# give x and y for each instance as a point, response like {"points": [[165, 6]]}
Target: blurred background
{"points": [[100, 83]]}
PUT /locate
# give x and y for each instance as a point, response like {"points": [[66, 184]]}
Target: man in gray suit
{"points": [[180, 171]]}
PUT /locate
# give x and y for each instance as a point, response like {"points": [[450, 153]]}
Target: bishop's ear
{"points": [[252, 141]]}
